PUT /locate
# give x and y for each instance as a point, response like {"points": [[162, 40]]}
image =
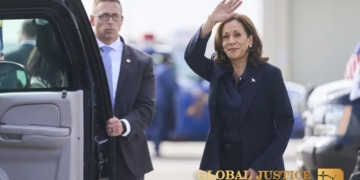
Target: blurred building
{"points": [[311, 40]]}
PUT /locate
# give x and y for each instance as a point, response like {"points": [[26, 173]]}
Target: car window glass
{"points": [[31, 43], [182, 69], [296, 101]]}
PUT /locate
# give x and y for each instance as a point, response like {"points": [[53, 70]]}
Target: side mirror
{"points": [[13, 76]]}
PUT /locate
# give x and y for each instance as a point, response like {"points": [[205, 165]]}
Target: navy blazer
{"points": [[266, 113]]}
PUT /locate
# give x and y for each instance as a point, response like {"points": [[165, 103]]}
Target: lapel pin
{"points": [[128, 60], [252, 80]]}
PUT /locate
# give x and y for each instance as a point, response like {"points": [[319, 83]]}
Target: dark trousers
{"points": [[356, 174], [231, 158], [122, 171], [160, 126], [356, 117]]}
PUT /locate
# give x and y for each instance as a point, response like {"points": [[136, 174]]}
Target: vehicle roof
{"points": [[295, 87], [163, 48], [329, 91], [339, 93]]}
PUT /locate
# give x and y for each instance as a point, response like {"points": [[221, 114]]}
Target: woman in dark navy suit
{"points": [[251, 114]]}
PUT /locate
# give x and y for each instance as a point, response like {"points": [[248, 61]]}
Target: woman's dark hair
{"points": [[255, 52], [46, 72]]}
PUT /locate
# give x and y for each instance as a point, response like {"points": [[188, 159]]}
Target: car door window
{"points": [[42, 108], [53, 121], [31, 44]]}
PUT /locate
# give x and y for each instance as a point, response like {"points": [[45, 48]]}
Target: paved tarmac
{"points": [[181, 160]]}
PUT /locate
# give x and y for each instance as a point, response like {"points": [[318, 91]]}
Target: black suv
{"points": [[55, 130]]}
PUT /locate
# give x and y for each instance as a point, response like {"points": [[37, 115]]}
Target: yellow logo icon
{"points": [[330, 174]]}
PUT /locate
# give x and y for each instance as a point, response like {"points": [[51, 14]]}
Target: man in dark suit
{"points": [[355, 116], [131, 82], [27, 44], [166, 88]]}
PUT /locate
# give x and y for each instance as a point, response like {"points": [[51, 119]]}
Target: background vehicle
{"points": [[190, 119], [332, 137], [297, 94], [54, 132]]}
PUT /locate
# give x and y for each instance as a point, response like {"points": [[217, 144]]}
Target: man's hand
{"points": [[114, 127], [253, 174]]}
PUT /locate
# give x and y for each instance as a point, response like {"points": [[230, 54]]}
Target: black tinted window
{"points": [[31, 44]]}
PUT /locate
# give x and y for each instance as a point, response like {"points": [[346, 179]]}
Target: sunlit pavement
{"points": [[180, 160]]}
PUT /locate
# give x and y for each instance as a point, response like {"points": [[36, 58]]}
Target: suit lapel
{"points": [[250, 88], [218, 71], [125, 66]]}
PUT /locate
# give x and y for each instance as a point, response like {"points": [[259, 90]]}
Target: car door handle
{"points": [[44, 137], [35, 130]]}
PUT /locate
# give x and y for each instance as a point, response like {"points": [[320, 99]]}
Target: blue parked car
{"points": [[298, 97]]}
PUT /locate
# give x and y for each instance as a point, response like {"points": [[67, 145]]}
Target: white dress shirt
{"points": [[116, 55]]}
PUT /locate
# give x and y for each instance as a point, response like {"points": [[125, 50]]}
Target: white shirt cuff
{"points": [[127, 124]]}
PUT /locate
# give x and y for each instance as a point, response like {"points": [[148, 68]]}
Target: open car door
{"points": [[52, 76]]}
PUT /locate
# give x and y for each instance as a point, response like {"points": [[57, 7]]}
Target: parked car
{"points": [[55, 132], [297, 95], [332, 137]]}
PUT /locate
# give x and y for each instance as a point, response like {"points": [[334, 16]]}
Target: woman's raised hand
{"points": [[224, 10]]}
